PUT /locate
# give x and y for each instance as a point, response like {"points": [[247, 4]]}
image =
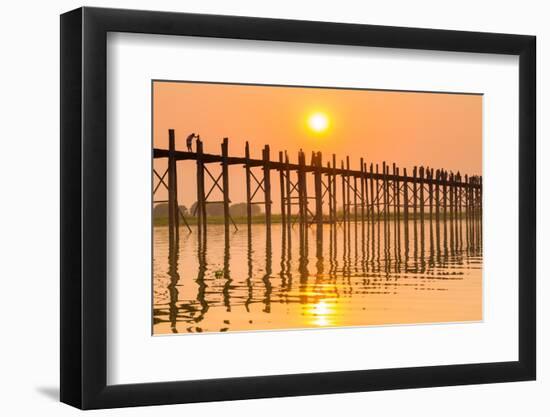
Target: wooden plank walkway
{"points": [[282, 166]]}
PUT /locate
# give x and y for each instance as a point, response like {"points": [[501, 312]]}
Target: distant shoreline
{"points": [[277, 218]]}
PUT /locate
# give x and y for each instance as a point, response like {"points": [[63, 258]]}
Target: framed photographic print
{"points": [[258, 207]]}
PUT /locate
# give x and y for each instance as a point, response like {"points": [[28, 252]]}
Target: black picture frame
{"points": [[84, 207]]}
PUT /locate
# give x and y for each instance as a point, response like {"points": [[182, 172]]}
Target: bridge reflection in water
{"points": [[350, 274]]}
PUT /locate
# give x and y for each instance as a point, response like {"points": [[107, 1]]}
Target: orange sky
{"points": [[436, 130]]}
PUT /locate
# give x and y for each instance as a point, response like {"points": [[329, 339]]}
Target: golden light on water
{"points": [[318, 122], [321, 313]]}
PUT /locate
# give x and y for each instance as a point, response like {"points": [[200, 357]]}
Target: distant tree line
{"points": [[213, 209]]}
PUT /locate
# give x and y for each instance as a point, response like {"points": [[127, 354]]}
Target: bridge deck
{"points": [[283, 166]]}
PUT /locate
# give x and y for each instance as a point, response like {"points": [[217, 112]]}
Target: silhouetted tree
{"points": [[213, 209], [161, 210], [239, 210]]}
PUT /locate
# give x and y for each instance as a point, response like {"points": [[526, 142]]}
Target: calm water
{"points": [[372, 275]]}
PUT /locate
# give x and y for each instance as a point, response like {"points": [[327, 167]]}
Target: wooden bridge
{"points": [[368, 193]]}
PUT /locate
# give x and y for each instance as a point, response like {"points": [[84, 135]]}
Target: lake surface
{"points": [[373, 274]]}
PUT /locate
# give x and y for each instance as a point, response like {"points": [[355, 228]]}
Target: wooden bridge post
{"points": [[452, 180], [201, 199], [394, 195], [377, 194], [451, 208], [329, 191], [431, 203], [393, 203], [394, 190], [248, 188], [355, 200], [444, 179], [415, 199], [173, 217], [473, 205], [398, 193], [458, 202], [386, 191], [344, 211], [372, 195], [362, 197], [366, 191], [431, 193], [393, 206], [422, 173], [472, 210], [397, 214], [466, 191], [282, 190], [348, 198], [319, 196], [176, 202], [415, 209], [458, 208], [473, 179], [406, 205], [288, 193], [225, 182], [334, 191], [267, 190], [367, 199], [372, 201], [474, 191], [355, 212], [478, 210], [305, 201], [437, 200], [386, 206], [301, 204], [438, 208]]}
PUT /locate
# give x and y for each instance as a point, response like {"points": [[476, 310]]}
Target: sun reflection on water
{"points": [[321, 313]]}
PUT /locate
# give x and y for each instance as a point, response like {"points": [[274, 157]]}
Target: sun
{"points": [[318, 122]]}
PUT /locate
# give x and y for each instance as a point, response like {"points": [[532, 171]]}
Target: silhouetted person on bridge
{"points": [[189, 141]]}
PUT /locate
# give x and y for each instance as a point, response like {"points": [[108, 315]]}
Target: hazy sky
{"points": [[436, 130]]}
